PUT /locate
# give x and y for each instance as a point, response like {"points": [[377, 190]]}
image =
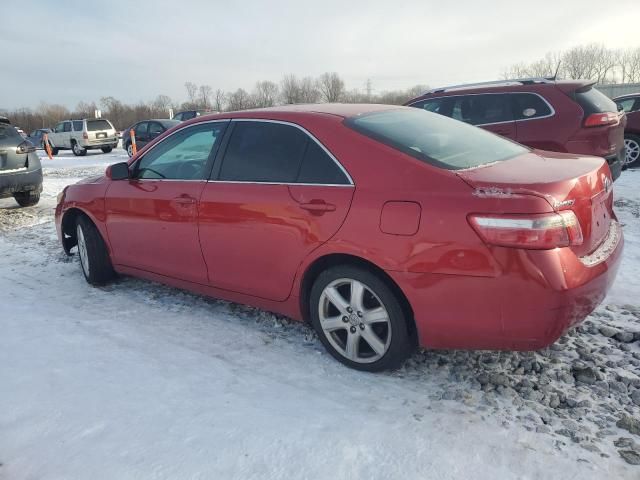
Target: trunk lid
{"points": [[568, 182]]}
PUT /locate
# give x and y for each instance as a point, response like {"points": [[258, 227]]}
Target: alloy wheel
{"points": [[82, 250], [354, 320], [632, 151]]}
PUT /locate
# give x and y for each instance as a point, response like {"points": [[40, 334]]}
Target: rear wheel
{"points": [[94, 257], [129, 150], [78, 151], [106, 149], [632, 144], [27, 199], [359, 319]]}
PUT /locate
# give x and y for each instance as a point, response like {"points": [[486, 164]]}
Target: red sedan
{"points": [[385, 227]]}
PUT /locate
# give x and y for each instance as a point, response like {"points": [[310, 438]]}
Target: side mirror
{"points": [[118, 171]]}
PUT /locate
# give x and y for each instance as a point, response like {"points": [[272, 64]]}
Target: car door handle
{"points": [[318, 207], [184, 200]]}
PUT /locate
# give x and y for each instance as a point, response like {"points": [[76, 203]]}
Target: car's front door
{"points": [[66, 136], [152, 217], [276, 194]]}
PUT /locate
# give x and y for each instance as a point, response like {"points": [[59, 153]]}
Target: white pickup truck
{"points": [[82, 135]]}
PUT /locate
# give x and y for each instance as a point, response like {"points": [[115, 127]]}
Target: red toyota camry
{"points": [[386, 227]]}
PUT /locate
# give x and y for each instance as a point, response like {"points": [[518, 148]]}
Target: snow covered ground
{"points": [[137, 380]]}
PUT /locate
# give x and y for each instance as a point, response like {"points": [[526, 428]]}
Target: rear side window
{"points": [[594, 101], [529, 105], [435, 105], [318, 167], [629, 104], [67, 126], [7, 131], [263, 152], [141, 128], [77, 125], [94, 125], [435, 139], [482, 109]]}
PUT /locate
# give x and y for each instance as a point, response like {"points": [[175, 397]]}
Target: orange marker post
{"points": [[47, 146], [134, 149]]}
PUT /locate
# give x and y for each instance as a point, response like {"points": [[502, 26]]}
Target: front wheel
{"points": [[632, 150], [78, 151], [106, 149], [359, 319], [94, 257], [129, 150], [27, 199]]}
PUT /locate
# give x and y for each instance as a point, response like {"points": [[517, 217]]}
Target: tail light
{"points": [[537, 232], [25, 147], [601, 119], [85, 135]]}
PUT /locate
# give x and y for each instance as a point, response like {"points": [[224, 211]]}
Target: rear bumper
{"points": [[539, 296], [616, 162], [100, 144], [26, 181]]}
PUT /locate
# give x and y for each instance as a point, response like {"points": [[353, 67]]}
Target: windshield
{"points": [[435, 139]]}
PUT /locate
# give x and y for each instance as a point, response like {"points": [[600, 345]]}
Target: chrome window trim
{"points": [[553, 111], [310, 135], [347, 185]]}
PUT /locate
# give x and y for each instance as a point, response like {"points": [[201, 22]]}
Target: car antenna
{"points": [[555, 75]]}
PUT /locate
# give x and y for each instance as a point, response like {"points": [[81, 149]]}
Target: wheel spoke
{"points": [[332, 323], [376, 315], [336, 299], [372, 339], [357, 295], [351, 348]]}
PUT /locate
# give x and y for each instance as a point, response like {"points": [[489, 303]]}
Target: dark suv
{"points": [[630, 104], [558, 115]]}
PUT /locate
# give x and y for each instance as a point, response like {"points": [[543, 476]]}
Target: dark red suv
{"points": [[557, 115]]}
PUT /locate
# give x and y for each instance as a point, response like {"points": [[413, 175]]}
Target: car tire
{"points": [[27, 199], [632, 155], [129, 149], [366, 329], [94, 256], [54, 150], [77, 150], [106, 149]]}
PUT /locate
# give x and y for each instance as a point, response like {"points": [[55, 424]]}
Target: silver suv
{"points": [[82, 135], [20, 170]]}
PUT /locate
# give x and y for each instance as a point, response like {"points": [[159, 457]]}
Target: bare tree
{"points": [[219, 100], [331, 87], [290, 89], [629, 65], [192, 92], [308, 91], [162, 103], [204, 96], [265, 94], [239, 100]]}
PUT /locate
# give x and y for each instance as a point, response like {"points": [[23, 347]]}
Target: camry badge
{"points": [[607, 183]]}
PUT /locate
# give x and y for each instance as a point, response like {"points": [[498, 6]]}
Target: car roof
{"points": [[340, 110], [626, 95]]}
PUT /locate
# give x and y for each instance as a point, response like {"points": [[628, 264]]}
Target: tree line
{"points": [[593, 61], [328, 87]]}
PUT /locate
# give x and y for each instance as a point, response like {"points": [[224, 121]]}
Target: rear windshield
{"points": [[435, 139], [93, 125], [8, 131], [594, 101]]}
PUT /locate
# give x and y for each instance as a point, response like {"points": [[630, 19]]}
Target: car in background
{"points": [[21, 132], [145, 131], [82, 135], [370, 221], [20, 169], [37, 136], [556, 115], [630, 104], [189, 114]]}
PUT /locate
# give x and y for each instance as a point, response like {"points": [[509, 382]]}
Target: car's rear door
{"points": [[490, 111], [535, 122], [152, 218], [276, 194], [142, 134]]}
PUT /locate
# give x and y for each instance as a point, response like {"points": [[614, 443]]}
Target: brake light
{"points": [[538, 232], [85, 135], [600, 119]]}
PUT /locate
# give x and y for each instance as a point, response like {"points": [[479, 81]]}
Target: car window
{"points": [[183, 155], [141, 129], [627, 104], [67, 126], [95, 125], [263, 152], [482, 109], [7, 131], [594, 101], [318, 167], [529, 105], [59, 127], [435, 105], [155, 129], [177, 116], [435, 139], [188, 115], [77, 125]]}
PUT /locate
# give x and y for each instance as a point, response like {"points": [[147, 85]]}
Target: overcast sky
{"points": [[67, 51]]}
